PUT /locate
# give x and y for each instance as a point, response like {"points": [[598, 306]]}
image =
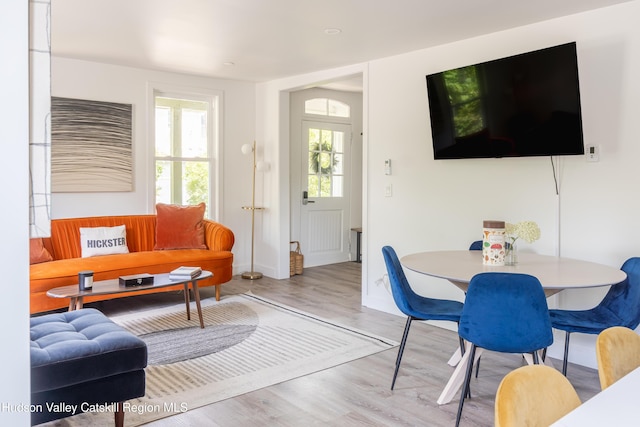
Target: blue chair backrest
{"points": [[506, 312], [623, 299], [400, 289], [476, 246]]}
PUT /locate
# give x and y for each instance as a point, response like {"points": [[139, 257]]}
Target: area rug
{"points": [[248, 343]]}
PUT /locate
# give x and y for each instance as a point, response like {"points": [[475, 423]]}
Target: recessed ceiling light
{"points": [[228, 64], [332, 31]]}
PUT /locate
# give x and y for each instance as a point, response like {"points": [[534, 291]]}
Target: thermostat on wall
{"points": [[387, 167]]}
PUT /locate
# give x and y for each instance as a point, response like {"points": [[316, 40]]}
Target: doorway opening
{"points": [[326, 173]]}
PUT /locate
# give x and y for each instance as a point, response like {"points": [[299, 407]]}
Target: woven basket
{"points": [[296, 260]]}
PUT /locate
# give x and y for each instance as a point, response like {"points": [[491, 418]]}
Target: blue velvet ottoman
{"points": [[81, 362]]}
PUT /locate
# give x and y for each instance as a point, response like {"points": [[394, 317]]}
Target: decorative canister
{"points": [[493, 242], [85, 280]]}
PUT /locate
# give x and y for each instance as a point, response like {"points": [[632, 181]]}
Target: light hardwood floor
{"points": [[356, 393]]}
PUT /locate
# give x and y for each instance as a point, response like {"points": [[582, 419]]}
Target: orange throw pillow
{"points": [[180, 227], [37, 252]]}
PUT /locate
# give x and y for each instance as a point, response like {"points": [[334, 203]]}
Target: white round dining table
{"points": [[554, 273]]}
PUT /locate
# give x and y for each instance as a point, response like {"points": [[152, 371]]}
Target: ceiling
{"points": [[262, 40]]}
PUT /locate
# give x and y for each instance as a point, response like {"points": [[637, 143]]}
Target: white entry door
{"points": [[325, 183]]}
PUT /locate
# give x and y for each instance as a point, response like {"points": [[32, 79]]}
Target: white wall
{"points": [[111, 83], [441, 205], [435, 205], [14, 169]]}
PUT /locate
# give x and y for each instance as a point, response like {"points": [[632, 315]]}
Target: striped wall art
{"points": [[91, 146]]}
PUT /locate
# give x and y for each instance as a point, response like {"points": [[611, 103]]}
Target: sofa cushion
{"points": [[103, 241], [79, 346], [180, 227], [37, 252]]}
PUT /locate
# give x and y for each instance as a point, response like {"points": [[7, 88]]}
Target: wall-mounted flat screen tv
{"points": [[522, 105]]}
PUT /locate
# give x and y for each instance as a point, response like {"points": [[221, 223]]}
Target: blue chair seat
{"points": [[434, 309]]}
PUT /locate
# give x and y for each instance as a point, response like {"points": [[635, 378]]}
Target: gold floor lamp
{"points": [[246, 149]]}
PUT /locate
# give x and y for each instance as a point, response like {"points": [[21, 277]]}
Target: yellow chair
{"points": [[533, 396], [618, 353]]}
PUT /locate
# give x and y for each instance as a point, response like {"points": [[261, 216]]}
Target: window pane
{"points": [[338, 109], [325, 163], [163, 182], [195, 183], [338, 168], [192, 188], [326, 137], [316, 106], [163, 131], [338, 142], [194, 133], [314, 139], [313, 186], [325, 186], [327, 107], [338, 186]]}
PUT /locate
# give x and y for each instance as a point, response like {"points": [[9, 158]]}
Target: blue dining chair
{"points": [[619, 307], [476, 246], [415, 306], [503, 312]]}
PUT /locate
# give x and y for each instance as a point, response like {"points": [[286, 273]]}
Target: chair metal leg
{"points": [[401, 349], [566, 354], [536, 360], [465, 386], [462, 350]]}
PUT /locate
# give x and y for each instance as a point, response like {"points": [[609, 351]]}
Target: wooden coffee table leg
{"points": [[75, 303], [196, 294], [186, 299]]}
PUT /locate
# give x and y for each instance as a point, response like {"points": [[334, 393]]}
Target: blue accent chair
{"points": [[619, 307], [415, 306], [503, 312]]}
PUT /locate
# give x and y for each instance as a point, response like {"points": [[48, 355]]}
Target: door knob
{"points": [[305, 198]]}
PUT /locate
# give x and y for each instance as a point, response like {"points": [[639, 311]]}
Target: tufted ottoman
{"points": [[83, 362]]}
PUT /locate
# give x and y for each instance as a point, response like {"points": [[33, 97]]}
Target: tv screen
{"points": [[522, 105]]}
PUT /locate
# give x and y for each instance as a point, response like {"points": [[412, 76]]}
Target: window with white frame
{"points": [[184, 154]]}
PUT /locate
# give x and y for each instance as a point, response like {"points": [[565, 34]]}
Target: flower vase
{"points": [[511, 254]]}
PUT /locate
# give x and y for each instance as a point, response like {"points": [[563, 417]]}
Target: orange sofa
{"points": [[64, 247]]}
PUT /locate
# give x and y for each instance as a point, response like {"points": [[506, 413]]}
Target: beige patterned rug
{"points": [[248, 343]]}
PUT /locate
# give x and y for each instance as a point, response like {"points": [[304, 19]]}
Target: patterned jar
{"points": [[493, 243]]}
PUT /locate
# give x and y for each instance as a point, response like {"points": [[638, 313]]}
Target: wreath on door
{"points": [[321, 159]]}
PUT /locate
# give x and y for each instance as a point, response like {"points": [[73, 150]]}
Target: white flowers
{"points": [[525, 230]]}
